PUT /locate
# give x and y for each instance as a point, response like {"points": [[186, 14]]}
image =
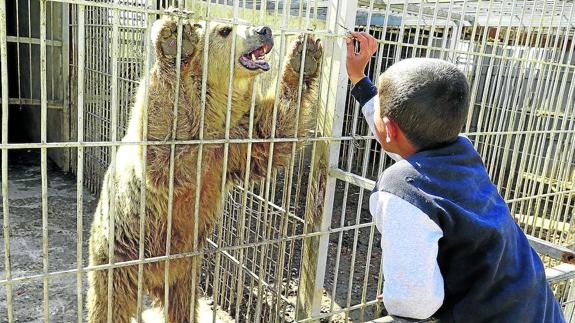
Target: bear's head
{"points": [[252, 44]]}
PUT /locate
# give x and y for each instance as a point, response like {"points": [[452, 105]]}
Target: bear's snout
{"points": [[263, 30], [265, 34]]}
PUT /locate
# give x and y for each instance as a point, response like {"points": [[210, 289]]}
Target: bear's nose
{"points": [[263, 30]]}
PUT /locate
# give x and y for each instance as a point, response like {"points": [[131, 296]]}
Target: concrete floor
{"points": [[26, 255], [25, 210]]}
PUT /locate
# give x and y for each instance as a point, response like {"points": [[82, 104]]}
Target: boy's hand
{"points": [[356, 62]]}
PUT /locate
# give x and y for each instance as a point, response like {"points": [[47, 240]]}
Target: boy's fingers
{"points": [[368, 43], [370, 39], [350, 48], [360, 38], [373, 45]]}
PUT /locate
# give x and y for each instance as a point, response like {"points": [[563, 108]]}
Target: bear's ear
{"points": [[225, 31]]}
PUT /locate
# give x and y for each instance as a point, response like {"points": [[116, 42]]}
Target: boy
{"points": [[451, 249]]}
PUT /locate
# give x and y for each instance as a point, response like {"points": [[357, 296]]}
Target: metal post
{"points": [[65, 38], [4, 130], [321, 189]]}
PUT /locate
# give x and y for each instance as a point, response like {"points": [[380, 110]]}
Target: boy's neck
{"points": [[405, 151]]}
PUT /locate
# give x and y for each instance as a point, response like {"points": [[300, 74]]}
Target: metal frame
{"points": [[265, 232]]}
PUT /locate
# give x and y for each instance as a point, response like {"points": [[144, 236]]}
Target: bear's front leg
{"points": [[289, 122]]}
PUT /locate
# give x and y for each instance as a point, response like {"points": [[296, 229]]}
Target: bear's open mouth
{"points": [[255, 59]]}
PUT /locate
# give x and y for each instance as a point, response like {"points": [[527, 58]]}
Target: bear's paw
{"points": [[314, 52], [165, 39]]}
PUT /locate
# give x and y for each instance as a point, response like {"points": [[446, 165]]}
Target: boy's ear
{"points": [[391, 130]]}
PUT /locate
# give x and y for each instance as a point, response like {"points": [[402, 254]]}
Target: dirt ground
{"points": [[27, 256]]}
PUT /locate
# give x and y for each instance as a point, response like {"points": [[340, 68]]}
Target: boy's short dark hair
{"points": [[427, 98]]}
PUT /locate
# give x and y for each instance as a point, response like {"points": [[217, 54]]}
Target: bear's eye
{"points": [[225, 31]]}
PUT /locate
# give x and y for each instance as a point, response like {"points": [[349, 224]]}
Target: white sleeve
{"points": [[368, 114], [413, 286]]}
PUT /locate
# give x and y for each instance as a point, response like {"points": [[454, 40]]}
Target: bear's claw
{"points": [[314, 52]]}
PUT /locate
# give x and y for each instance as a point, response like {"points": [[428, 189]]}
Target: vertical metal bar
{"points": [[360, 200], [467, 66], [505, 94], [563, 173], [112, 169], [549, 91], [457, 33], [311, 282], [533, 123], [225, 159], [515, 102], [81, 47], [65, 131], [144, 147], [267, 181], [203, 100], [241, 218], [30, 62], [401, 32], [289, 174], [488, 88], [172, 168], [5, 203], [381, 160], [17, 4], [44, 159], [417, 31], [560, 96], [448, 24], [431, 30], [52, 83], [477, 77]]}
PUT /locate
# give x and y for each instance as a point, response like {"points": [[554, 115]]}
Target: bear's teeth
{"points": [[253, 57]]}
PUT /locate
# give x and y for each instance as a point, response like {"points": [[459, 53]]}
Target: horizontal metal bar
{"points": [[541, 246], [250, 272], [540, 196], [132, 27], [167, 142], [335, 312], [561, 272], [369, 185], [273, 205], [33, 41], [552, 250], [391, 319], [246, 140], [352, 178], [56, 105], [414, 9], [150, 260]]}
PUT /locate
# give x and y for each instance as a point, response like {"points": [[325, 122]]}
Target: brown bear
{"points": [[122, 188]]}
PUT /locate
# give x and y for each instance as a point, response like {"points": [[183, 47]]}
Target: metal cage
{"points": [[299, 245]]}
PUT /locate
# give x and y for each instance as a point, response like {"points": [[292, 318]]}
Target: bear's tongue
{"points": [[252, 64], [253, 60]]}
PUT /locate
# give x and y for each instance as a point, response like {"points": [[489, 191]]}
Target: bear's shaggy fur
{"points": [[122, 188]]}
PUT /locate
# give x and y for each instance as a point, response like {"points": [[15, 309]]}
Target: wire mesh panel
{"points": [[518, 57], [98, 74]]}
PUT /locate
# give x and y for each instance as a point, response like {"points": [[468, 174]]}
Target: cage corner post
{"points": [[65, 86], [321, 190]]}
